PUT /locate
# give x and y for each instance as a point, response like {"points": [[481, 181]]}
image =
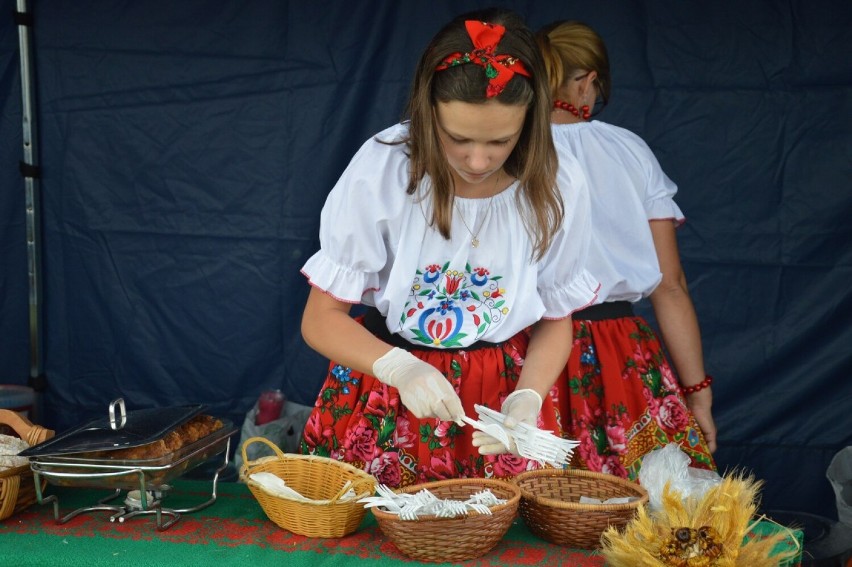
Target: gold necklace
{"points": [[474, 236]]}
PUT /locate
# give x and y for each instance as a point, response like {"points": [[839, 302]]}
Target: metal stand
{"points": [[31, 172], [129, 508]]}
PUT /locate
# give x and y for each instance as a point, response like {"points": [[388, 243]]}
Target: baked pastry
{"points": [[183, 435]]}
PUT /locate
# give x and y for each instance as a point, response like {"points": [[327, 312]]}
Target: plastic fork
{"points": [[411, 506], [495, 430], [531, 442], [479, 508]]}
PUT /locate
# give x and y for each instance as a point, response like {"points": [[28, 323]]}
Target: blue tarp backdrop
{"points": [[187, 148]]}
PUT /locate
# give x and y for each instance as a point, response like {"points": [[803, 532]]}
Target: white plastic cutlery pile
{"points": [[531, 442], [411, 506]]}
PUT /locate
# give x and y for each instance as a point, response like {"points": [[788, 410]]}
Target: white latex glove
{"points": [[521, 406], [424, 391]]}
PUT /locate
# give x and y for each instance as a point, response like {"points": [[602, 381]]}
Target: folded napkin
{"points": [[276, 486], [9, 449], [621, 500]]}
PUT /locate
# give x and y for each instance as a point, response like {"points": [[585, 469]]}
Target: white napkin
{"points": [[9, 449], [621, 500], [276, 486]]}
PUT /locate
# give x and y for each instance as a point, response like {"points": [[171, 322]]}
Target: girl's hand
{"points": [[424, 391], [699, 403], [521, 406]]}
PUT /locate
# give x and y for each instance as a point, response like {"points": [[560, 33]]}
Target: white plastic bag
{"points": [[671, 465], [839, 474], [285, 432]]}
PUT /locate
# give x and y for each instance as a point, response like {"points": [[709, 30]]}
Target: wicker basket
{"points": [[440, 540], [17, 485], [550, 505], [316, 478]]}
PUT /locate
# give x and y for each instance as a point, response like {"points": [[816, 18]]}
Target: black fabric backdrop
{"points": [[187, 148]]}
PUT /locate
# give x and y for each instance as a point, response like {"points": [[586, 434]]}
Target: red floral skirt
{"points": [[620, 399], [359, 420]]}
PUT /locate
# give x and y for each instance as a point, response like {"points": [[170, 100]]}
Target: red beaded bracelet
{"points": [[698, 387]]}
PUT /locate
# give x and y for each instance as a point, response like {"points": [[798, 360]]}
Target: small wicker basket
{"points": [[440, 540], [551, 509], [315, 478], [17, 484]]}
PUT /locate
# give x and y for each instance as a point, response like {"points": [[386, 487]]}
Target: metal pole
{"points": [[30, 171]]}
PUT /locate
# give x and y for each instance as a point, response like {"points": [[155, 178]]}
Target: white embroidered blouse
{"points": [[628, 188], [377, 248]]}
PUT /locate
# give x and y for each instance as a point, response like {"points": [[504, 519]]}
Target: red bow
{"points": [[498, 68]]}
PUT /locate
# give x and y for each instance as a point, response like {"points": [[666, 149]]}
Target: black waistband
{"points": [[374, 322], [601, 311]]}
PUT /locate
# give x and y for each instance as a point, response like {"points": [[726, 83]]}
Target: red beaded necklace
{"points": [[585, 110]]}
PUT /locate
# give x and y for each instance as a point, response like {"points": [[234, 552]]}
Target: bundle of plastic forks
{"points": [[531, 442], [411, 506]]}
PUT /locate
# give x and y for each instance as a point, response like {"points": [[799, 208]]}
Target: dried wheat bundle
{"points": [[705, 532]]}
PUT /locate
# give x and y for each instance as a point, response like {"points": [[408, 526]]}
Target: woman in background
{"points": [[622, 397]]}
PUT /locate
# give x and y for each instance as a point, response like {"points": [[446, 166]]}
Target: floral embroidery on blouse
{"points": [[449, 305]]}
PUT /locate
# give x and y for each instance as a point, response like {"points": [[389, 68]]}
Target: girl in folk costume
{"points": [[622, 398], [458, 229]]}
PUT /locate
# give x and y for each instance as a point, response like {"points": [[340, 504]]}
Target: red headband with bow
{"points": [[498, 68]]}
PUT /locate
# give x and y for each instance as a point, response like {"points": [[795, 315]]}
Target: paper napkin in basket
{"points": [[277, 487]]}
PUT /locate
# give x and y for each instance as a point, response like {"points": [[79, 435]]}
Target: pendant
{"points": [[475, 242]]}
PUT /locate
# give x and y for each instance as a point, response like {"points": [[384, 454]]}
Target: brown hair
{"points": [[533, 160], [570, 46]]}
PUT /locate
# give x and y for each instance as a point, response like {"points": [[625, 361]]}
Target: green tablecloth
{"points": [[233, 531]]}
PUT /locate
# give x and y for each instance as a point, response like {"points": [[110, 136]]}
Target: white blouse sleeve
{"points": [[361, 210], [565, 284], [659, 189]]}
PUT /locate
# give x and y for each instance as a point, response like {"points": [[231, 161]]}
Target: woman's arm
{"points": [[328, 328], [679, 328], [547, 355]]}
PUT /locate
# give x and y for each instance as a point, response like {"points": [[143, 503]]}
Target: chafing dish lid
{"points": [[137, 427]]}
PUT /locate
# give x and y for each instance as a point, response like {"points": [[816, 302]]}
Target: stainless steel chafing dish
{"points": [[67, 460], [153, 474], [82, 458]]}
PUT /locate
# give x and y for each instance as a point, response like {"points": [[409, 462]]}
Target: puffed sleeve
{"points": [[659, 189], [356, 220], [565, 285]]}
